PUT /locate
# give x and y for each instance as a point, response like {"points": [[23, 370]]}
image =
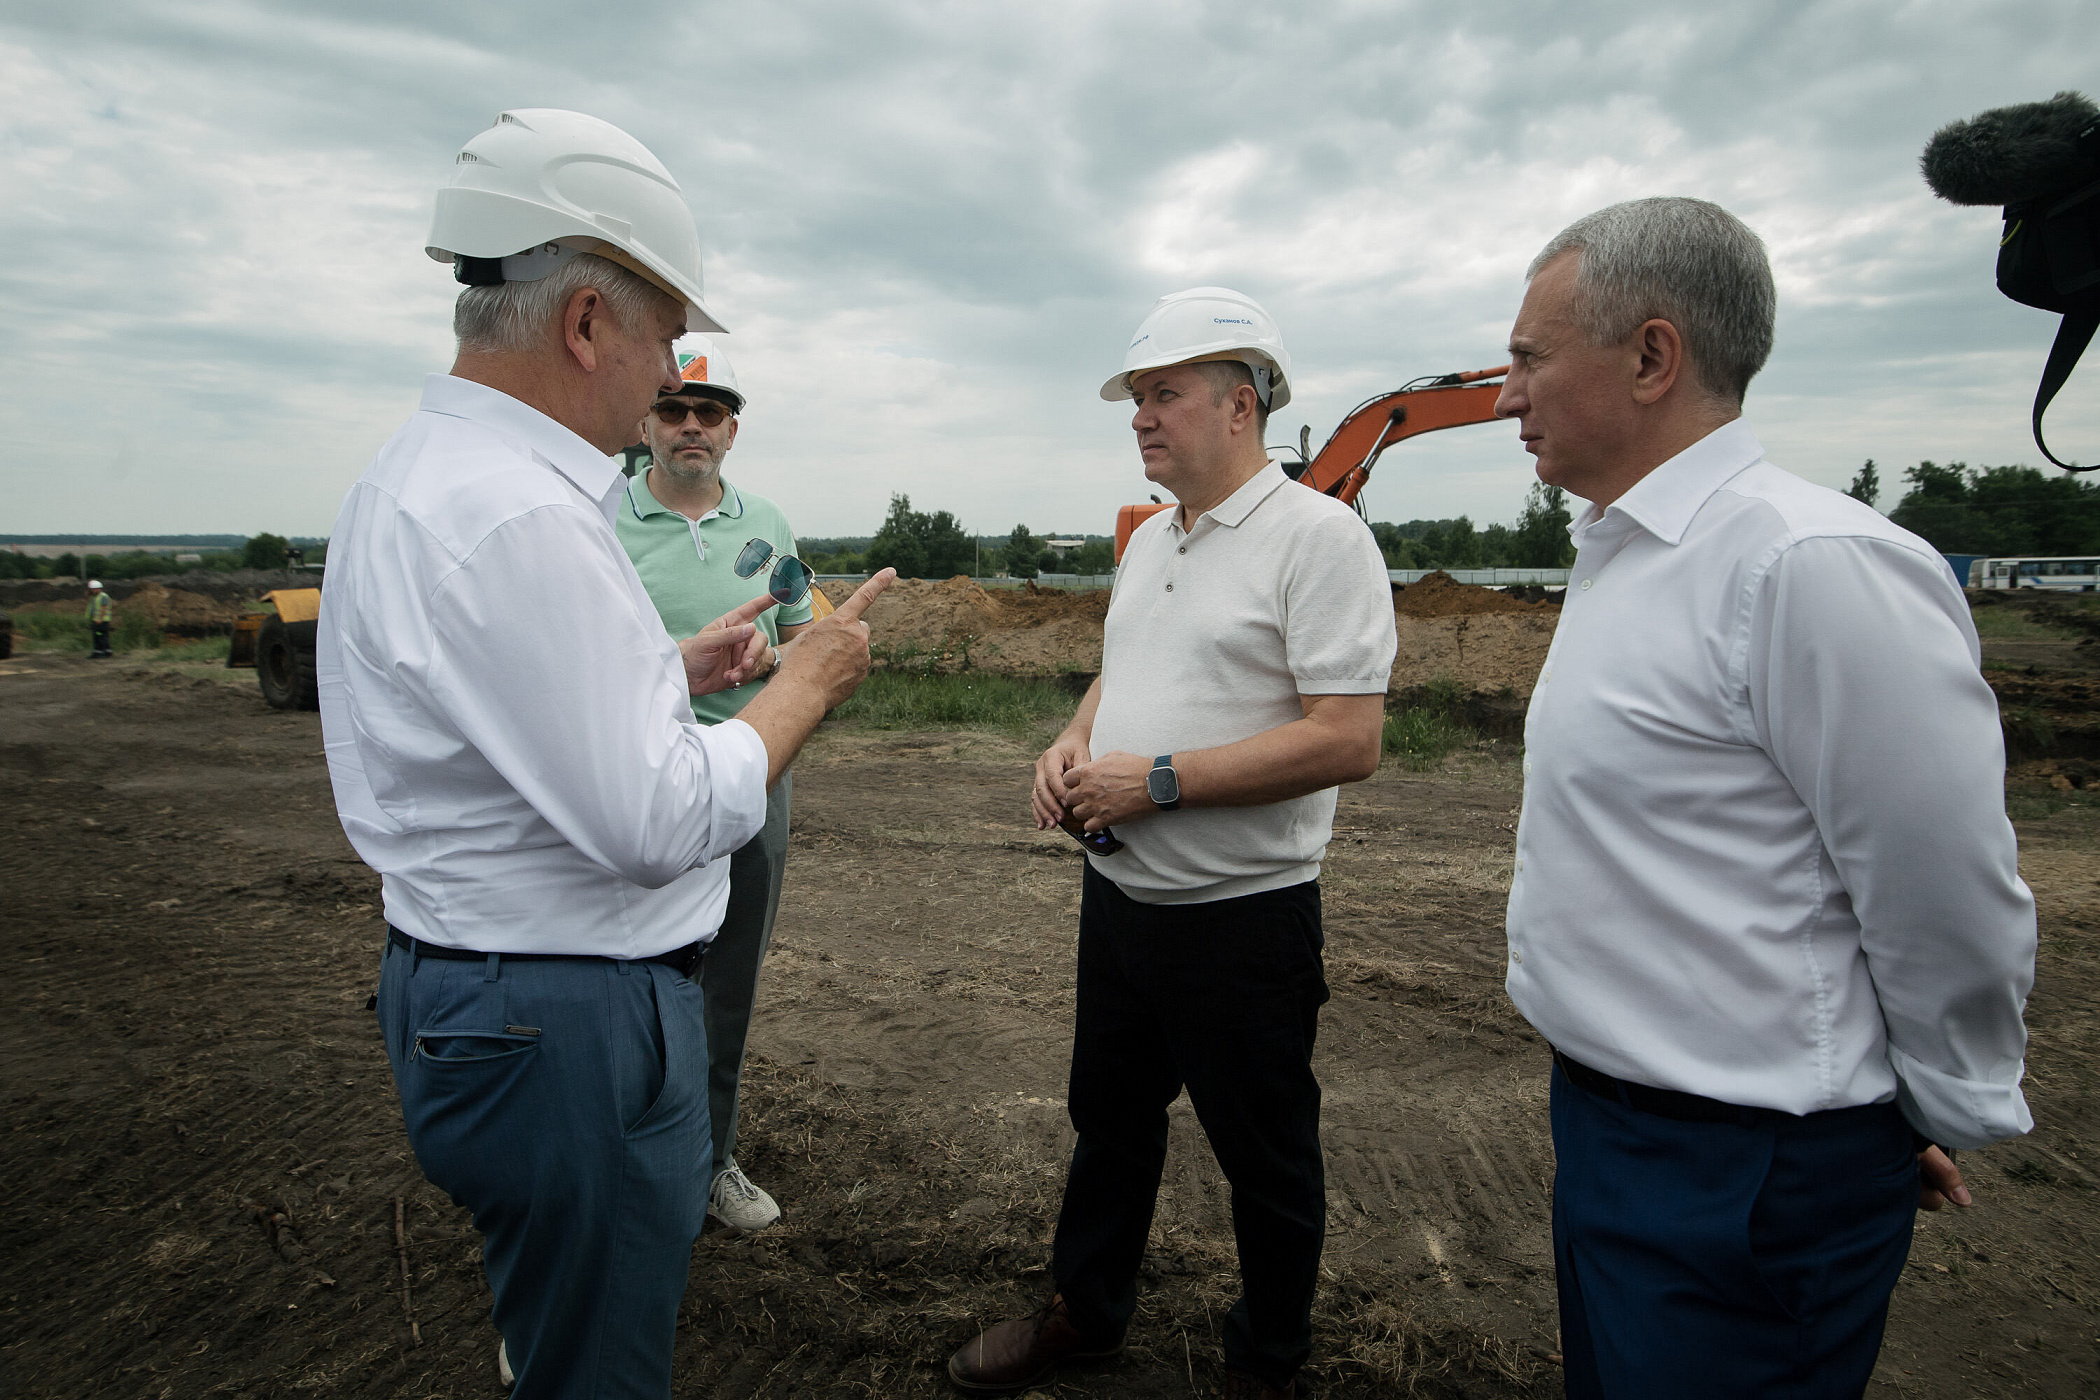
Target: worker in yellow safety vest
{"points": [[101, 609]]}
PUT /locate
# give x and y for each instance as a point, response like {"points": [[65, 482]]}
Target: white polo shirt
{"points": [[1764, 854], [506, 719], [1212, 636]]}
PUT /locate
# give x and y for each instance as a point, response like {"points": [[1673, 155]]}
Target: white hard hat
{"points": [[1208, 323], [94, 583], [542, 185], [702, 365]]}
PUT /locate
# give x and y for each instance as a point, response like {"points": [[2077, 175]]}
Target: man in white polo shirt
{"points": [[1248, 648]]}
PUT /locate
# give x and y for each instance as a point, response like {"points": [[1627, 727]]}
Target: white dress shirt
{"points": [[507, 722], [1213, 635], [1764, 854]]}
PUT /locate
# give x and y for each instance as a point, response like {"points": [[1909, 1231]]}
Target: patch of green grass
{"points": [[133, 637], [2035, 805], [1423, 733], [208, 650], [910, 699], [2007, 622], [50, 631]]}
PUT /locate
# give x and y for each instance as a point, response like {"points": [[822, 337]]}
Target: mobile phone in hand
{"points": [[1101, 843]]}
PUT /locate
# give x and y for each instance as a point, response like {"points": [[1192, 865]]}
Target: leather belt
{"points": [[684, 961], [1663, 1103]]}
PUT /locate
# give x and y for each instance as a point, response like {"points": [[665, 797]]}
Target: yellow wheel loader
{"points": [[280, 646]]}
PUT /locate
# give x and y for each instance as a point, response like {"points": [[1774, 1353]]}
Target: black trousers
{"points": [[1222, 999], [100, 631]]}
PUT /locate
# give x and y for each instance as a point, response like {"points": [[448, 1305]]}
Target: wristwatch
{"points": [[1163, 784]]}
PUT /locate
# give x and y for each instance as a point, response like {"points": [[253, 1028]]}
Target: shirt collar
{"points": [[591, 470], [642, 501], [1234, 509], [1664, 501]]}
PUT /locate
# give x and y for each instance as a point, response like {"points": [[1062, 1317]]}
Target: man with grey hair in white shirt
{"points": [[510, 736], [1766, 905]]}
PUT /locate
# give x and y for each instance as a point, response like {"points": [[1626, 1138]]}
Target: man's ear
{"points": [[583, 323], [1245, 409], [1660, 351], [732, 433]]}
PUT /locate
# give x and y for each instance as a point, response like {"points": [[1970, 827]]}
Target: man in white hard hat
{"points": [[510, 736], [1248, 648], [101, 609], [686, 526]]}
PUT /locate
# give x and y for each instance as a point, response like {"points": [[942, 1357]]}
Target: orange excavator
{"points": [[1342, 467]]}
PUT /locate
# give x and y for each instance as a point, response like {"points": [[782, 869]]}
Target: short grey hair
{"points": [[1680, 260], [512, 316], [1226, 376]]}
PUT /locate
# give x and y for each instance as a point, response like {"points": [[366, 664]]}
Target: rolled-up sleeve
{"points": [[565, 687], [1865, 690]]}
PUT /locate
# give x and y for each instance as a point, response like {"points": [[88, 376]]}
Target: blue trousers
{"points": [[564, 1103], [1751, 1258]]}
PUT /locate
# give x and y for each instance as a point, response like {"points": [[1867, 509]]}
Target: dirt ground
{"points": [[204, 1152]]}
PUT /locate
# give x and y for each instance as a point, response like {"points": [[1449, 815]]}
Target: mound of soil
{"points": [[2047, 714], [220, 585], [1486, 641], [956, 625], [175, 611], [1440, 595]]}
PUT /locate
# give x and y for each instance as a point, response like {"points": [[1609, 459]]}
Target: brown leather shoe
{"points": [[1241, 1386], [1015, 1355]]}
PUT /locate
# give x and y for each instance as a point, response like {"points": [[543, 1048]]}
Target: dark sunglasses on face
{"points": [[790, 578], [671, 412]]}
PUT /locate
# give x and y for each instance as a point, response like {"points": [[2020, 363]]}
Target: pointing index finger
{"points": [[748, 612], [865, 595]]}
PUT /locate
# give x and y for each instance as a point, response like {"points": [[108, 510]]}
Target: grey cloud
{"points": [[931, 225]]}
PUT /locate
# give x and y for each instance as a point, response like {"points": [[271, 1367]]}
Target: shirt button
{"points": [[1516, 957], [1586, 585], [1183, 550], [1170, 588], [1520, 863], [1545, 675], [1527, 767]]}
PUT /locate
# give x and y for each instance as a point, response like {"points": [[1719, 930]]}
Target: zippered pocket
{"points": [[469, 1047]]}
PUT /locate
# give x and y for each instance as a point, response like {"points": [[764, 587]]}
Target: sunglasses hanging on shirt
{"points": [[790, 579]]}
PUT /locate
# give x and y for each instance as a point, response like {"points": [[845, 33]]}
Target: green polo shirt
{"points": [[688, 566]]}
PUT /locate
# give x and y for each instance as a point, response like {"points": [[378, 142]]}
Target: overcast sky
{"points": [[933, 226]]}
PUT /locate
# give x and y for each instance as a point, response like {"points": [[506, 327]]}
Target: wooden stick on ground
{"points": [[415, 1333]]}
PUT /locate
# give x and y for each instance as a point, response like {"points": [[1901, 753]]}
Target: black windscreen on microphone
{"points": [[2011, 154]]}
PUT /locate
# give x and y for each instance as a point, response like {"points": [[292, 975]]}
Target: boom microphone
{"points": [[2017, 153], [2041, 160]]}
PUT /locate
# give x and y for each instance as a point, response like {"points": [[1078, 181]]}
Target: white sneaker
{"points": [[737, 1203], [504, 1375]]}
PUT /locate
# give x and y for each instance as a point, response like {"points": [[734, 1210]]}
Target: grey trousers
{"points": [[729, 973]]}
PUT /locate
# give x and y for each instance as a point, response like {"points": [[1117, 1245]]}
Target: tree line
{"points": [[1538, 539], [933, 544], [264, 551], [1958, 509]]}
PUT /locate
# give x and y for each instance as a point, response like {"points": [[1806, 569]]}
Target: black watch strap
{"points": [[1171, 787]]}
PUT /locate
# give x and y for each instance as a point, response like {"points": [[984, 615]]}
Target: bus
{"points": [[2063, 573]]}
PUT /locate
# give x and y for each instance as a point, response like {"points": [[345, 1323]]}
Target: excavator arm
{"points": [[1343, 465]]}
